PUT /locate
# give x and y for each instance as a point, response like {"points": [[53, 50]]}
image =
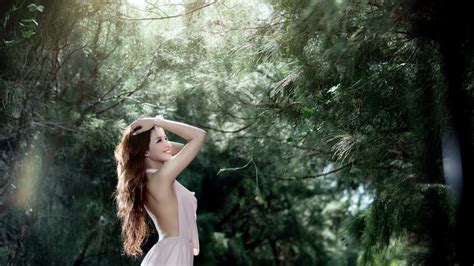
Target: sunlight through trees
{"points": [[334, 128]]}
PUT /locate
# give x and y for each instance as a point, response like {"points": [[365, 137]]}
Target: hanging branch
{"points": [[168, 17], [314, 176]]}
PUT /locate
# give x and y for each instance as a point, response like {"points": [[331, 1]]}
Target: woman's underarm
{"points": [[176, 147]]}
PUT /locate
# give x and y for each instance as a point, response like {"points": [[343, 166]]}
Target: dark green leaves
{"points": [[35, 8]]}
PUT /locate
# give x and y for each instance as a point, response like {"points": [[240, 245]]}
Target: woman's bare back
{"points": [[163, 204]]}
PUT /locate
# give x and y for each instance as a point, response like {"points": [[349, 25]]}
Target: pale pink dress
{"points": [[176, 250]]}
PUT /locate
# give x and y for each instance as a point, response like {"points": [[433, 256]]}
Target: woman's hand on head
{"points": [[142, 124]]}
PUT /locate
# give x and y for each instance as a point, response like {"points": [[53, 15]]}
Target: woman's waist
{"points": [[184, 236]]}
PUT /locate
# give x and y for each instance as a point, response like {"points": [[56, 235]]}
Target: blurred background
{"points": [[339, 132]]}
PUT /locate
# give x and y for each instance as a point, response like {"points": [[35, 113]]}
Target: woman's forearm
{"points": [[183, 130]]}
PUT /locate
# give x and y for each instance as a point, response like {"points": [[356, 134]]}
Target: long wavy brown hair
{"points": [[129, 194]]}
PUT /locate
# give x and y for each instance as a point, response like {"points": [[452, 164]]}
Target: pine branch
{"points": [[315, 176], [168, 17]]}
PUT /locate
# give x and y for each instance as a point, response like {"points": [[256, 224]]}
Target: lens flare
{"points": [[452, 166], [28, 176]]}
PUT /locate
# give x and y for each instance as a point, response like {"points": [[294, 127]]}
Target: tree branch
{"points": [[168, 17], [314, 176]]}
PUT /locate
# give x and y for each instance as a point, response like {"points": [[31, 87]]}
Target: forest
{"points": [[339, 132]]}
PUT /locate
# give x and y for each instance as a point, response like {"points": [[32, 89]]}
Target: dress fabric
{"points": [[176, 250]]}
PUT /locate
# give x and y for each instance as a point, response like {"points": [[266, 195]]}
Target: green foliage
{"points": [[316, 119], [20, 21], [34, 7]]}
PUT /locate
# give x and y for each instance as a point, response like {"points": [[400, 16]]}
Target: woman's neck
{"points": [[150, 164]]}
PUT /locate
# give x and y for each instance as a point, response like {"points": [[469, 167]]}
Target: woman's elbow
{"points": [[201, 136]]}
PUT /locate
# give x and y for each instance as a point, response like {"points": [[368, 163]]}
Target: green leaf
{"points": [[308, 112], [334, 89], [27, 34], [30, 21], [34, 7], [301, 127], [10, 42]]}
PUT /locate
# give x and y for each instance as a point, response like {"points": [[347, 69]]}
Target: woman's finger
{"points": [[136, 129]]}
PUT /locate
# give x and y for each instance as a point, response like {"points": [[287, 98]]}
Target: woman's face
{"points": [[159, 148]]}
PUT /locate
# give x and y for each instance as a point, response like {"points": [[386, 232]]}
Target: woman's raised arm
{"points": [[194, 135]]}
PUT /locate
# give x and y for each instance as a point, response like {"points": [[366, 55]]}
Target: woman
{"points": [[147, 167]]}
